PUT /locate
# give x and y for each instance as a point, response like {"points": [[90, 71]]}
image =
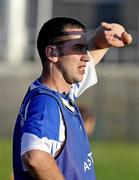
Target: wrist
{"points": [[96, 44]]}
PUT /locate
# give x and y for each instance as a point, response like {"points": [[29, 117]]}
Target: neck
{"points": [[55, 81]]}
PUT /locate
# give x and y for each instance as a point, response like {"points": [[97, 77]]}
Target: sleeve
{"points": [[89, 79], [43, 127]]}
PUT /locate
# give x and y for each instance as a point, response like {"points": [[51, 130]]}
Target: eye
{"points": [[81, 47], [78, 47]]}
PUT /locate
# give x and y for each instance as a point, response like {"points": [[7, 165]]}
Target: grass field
{"points": [[113, 160], [5, 159], [116, 160]]}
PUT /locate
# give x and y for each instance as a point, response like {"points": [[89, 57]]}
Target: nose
{"points": [[86, 57]]}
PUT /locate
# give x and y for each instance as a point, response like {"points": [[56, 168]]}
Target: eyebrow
{"points": [[82, 45]]}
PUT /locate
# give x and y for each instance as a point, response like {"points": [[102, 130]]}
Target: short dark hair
{"points": [[51, 30]]}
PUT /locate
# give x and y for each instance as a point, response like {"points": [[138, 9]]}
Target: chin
{"points": [[78, 80]]}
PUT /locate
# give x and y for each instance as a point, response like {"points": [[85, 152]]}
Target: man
{"points": [[49, 140]]}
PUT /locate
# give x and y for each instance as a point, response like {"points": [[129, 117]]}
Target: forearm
{"points": [[97, 54], [42, 166]]}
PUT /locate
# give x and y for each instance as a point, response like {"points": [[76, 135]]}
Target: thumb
{"points": [[127, 38]]}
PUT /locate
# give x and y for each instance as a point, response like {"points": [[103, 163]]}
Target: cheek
{"points": [[70, 63], [73, 68], [70, 69], [65, 66]]}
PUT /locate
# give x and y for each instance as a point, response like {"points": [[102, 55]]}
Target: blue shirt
{"points": [[40, 121]]}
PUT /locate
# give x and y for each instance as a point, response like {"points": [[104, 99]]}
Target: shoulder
{"points": [[43, 102], [42, 116]]}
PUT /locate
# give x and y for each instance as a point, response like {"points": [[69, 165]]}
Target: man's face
{"points": [[73, 55]]}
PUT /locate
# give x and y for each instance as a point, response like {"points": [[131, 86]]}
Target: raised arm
{"points": [[107, 35]]}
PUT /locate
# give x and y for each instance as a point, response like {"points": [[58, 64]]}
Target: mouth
{"points": [[82, 69]]}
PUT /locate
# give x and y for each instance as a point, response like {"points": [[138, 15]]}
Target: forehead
{"points": [[72, 35]]}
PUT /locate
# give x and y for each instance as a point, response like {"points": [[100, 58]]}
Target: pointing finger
{"points": [[106, 25]]}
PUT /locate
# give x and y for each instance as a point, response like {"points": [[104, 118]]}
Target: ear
{"points": [[51, 53]]}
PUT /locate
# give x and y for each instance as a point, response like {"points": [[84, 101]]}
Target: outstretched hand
{"points": [[112, 34]]}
